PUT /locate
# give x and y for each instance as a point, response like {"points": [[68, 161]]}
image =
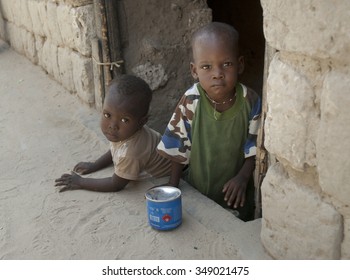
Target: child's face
{"points": [[216, 65], [119, 121]]}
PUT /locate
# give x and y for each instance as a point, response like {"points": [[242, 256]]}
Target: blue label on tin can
{"points": [[164, 207]]}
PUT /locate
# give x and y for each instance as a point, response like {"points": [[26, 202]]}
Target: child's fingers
{"points": [[227, 192], [234, 198], [61, 183], [231, 196], [240, 199], [66, 188], [64, 180]]}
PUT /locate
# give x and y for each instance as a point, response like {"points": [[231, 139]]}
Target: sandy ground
{"points": [[45, 131]]}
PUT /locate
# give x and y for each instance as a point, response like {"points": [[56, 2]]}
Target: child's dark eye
{"points": [[125, 120], [205, 67], [106, 115], [228, 64]]}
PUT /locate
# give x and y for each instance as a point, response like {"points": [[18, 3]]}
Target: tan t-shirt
{"points": [[136, 158]]}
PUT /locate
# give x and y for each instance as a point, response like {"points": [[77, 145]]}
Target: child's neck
{"points": [[224, 105]]}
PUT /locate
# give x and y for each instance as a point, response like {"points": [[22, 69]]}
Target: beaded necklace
{"points": [[219, 103]]}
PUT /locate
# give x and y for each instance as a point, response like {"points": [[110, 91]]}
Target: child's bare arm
{"points": [[75, 182], [89, 167], [176, 172], [235, 189]]}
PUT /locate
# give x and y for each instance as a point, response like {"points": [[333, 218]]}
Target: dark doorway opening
{"points": [[247, 17]]}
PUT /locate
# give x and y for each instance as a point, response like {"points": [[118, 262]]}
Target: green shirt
{"points": [[217, 145]]}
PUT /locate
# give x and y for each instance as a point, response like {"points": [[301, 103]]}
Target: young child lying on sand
{"points": [[132, 143]]}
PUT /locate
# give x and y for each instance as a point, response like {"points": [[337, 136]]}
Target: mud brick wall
{"points": [[56, 35], [306, 193]]}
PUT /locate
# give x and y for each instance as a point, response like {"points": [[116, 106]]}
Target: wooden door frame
{"points": [[263, 158], [106, 47]]}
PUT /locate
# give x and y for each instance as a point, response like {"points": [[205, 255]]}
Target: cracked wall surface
{"points": [[306, 193]]}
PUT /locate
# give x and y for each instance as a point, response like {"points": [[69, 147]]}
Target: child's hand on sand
{"points": [[69, 181], [84, 168], [235, 192]]}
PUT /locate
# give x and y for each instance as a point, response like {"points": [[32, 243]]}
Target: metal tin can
{"points": [[164, 208]]}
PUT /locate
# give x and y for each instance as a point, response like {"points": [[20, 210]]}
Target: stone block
{"points": [[292, 117], [82, 76], [45, 57], [83, 28], [7, 11], [52, 23], [22, 41], [39, 44], [64, 17], [49, 58], [65, 67], [76, 25], [29, 46], [16, 12], [43, 18], [15, 37], [24, 18], [297, 223], [3, 27], [37, 25], [289, 24], [333, 148]]}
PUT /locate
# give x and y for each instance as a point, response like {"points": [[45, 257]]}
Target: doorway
{"points": [[247, 17]]}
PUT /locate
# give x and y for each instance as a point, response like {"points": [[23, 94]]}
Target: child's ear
{"points": [[193, 71], [240, 64]]}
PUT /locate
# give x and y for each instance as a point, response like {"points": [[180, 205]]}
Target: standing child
{"points": [[132, 143], [214, 127]]}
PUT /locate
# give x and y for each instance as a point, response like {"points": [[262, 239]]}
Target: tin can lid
{"points": [[163, 193]]}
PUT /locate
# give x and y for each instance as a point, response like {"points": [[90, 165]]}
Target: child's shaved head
{"points": [[217, 31], [134, 89]]}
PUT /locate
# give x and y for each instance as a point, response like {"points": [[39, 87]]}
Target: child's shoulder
{"points": [[254, 101], [192, 92], [147, 132], [150, 132], [142, 143], [190, 97], [249, 94]]}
